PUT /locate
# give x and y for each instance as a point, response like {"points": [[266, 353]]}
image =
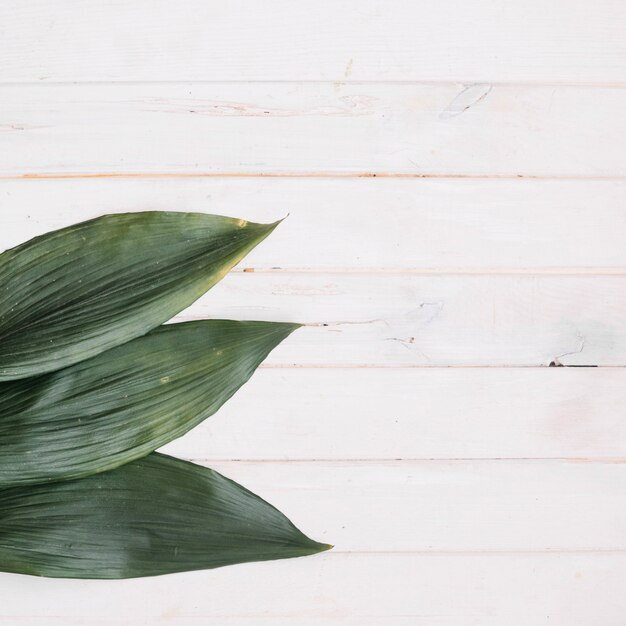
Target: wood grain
{"points": [[456, 186], [355, 225], [348, 589], [391, 320], [417, 225], [312, 129], [448, 413], [447, 506], [459, 40]]}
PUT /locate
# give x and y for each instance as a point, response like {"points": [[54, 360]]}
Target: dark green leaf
{"points": [[128, 401], [153, 516], [76, 292]]}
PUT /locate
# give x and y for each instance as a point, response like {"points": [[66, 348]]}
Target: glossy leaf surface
{"points": [[153, 516], [74, 293], [128, 401]]}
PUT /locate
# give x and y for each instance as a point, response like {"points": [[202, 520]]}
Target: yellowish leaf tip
{"points": [[282, 219]]}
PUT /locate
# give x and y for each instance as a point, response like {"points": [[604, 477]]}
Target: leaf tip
{"points": [[273, 225], [314, 547], [257, 231], [285, 328]]}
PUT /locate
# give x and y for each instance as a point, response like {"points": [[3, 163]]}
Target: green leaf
{"points": [[74, 293], [128, 401], [154, 516]]}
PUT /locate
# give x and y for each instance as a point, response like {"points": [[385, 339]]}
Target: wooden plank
{"points": [[363, 224], [351, 590], [457, 40], [313, 129], [346, 589], [444, 506], [398, 318], [447, 413], [414, 320]]}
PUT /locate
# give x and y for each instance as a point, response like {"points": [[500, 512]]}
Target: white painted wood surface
{"points": [[459, 40], [473, 506], [455, 180], [427, 413], [361, 224], [312, 129], [407, 589]]}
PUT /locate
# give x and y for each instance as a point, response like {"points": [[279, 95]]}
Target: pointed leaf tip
{"points": [[71, 294], [128, 401], [154, 516], [317, 547]]}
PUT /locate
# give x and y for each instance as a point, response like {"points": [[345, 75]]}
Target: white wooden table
{"points": [[455, 176]]}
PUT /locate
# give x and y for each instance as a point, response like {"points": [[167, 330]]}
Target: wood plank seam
{"points": [[305, 174]]}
